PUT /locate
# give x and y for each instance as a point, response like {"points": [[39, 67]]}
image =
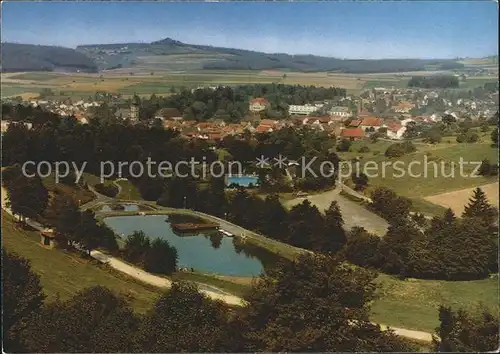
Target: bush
{"points": [[400, 149], [107, 190], [364, 149], [344, 145]]}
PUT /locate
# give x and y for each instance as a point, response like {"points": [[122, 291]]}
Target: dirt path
{"points": [[354, 214]]}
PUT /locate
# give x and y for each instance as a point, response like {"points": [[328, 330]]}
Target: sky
{"points": [[364, 30]]}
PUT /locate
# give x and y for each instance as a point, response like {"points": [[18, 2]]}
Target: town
{"points": [[250, 177]]}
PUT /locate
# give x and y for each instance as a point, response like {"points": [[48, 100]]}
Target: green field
{"points": [[129, 191], [414, 303], [63, 273], [433, 178]]}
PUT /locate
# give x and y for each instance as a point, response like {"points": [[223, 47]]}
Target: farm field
{"points": [[146, 82], [458, 199]]}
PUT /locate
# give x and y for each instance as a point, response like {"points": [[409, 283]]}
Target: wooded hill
{"points": [[209, 57], [30, 57]]}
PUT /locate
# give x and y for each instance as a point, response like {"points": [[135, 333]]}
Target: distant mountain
{"points": [[29, 57], [175, 55]]}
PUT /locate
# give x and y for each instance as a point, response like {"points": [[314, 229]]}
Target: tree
{"points": [[305, 229], [22, 298], [391, 206], [360, 181], [335, 237], [494, 136], [361, 248], [344, 145], [393, 247], [275, 218], [136, 247], [460, 331], [184, 320], [67, 218], [27, 196], [480, 208], [485, 169], [161, 257], [314, 303], [94, 320]]}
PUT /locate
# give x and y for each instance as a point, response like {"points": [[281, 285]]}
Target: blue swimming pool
{"points": [[243, 181]]}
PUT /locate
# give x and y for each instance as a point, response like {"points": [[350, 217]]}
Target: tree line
{"points": [[447, 248], [434, 81], [231, 103]]}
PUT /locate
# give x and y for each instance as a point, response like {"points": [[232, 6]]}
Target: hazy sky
{"points": [[432, 29]]}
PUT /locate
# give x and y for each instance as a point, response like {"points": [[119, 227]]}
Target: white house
{"points": [[340, 112], [303, 109]]}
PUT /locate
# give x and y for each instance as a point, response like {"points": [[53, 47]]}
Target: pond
{"points": [[205, 251], [243, 181]]}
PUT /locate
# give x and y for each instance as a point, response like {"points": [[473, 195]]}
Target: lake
{"points": [[205, 251], [243, 181]]}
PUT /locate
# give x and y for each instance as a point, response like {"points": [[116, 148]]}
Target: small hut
{"points": [[48, 238]]}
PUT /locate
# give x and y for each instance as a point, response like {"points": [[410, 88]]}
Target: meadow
{"points": [[62, 274], [440, 175]]}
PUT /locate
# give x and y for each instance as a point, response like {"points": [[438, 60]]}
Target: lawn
{"points": [[63, 273], [413, 303], [438, 177], [234, 288], [129, 191]]}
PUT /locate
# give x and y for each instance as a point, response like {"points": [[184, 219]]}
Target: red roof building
{"points": [[258, 104], [374, 122], [352, 133]]}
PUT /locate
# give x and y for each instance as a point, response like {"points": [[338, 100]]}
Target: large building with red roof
{"points": [[258, 104]]}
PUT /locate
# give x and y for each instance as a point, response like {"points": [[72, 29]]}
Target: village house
{"points": [[258, 105], [395, 130], [304, 109], [340, 113], [403, 107], [168, 114], [371, 123], [352, 133]]}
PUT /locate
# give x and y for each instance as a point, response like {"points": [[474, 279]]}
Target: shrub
{"points": [[107, 190]]}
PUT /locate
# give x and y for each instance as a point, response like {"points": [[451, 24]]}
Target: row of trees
{"points": [[435, 81], [231, 103], [449, 248], [313, 304]]}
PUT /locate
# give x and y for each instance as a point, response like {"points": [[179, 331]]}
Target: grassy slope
{"points": [[63, 274], [414, 303], [418, 187]]}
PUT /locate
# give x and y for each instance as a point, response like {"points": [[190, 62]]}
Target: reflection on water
{"points": [[207, 251]]}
